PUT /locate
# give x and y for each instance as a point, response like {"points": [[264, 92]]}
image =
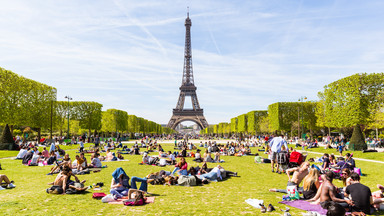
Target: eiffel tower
{"points": [[187, 88]]}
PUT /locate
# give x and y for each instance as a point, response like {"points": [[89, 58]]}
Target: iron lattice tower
{"points": [[187, 88]]}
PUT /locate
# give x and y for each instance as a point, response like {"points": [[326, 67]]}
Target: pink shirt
{"points": [[45, 154]]}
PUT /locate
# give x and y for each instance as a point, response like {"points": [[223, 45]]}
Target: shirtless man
{"points": [[60, 183], [298, 175], [328, 192]]}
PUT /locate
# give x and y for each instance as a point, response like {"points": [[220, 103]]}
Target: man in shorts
{"points": [[275, 148]]}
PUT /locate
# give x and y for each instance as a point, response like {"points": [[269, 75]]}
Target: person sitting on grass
{"points": [[332, 160], [360, 194], [95, 162], [79, 164], [171, 158], [329, 192], [36, 158], [181, 168], [60, 183], [198, 156], [120, 183], [345, 176], [8, 183], [23, 151], [52, 158], [378, 197], [66, 162], [109, 155], [311, 184], [45, 153], [326, 162], [341, 164], [207, 156], [350, 161], [298, 175]]}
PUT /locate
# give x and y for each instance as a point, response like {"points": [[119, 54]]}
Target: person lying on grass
{"points": [[190, 180], [66, 162], [4, 178], [216, 174], [298, 175]]}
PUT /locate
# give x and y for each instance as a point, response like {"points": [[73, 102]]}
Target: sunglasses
{"points": [[344, 173]]}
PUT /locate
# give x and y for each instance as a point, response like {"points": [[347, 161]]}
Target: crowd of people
{"points": [[309, 182], [318, 186]]}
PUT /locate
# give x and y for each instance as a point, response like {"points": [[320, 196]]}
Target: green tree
{"points": [[254, 120], [234, 125]]}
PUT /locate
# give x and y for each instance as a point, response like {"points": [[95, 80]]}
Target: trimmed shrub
{"points": [[357, 141], [6, 140]]}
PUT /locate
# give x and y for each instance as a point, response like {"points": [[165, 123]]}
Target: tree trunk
{"points": [[11, 129], [38, 134]]}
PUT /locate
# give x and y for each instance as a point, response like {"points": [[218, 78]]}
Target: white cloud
{"points": [[129, 54]]}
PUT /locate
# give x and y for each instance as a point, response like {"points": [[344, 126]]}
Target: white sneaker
{"points": [[1, 188], [11, 185]]}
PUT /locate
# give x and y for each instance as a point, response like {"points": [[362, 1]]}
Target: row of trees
{"points": [[25, 102], [343, 104]]}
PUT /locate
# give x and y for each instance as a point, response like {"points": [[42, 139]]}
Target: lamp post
{"points": [[69, 98], [301, 99]]}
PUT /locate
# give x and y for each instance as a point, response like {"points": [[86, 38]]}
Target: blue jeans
{"points": [[181, 172], [212, 176], [143, 186], [119, 191]]}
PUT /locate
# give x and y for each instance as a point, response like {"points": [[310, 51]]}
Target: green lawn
{"points": [[217, 198], [6, 153]]}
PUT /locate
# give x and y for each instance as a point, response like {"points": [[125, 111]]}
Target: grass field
{"points": [[217, 198]]}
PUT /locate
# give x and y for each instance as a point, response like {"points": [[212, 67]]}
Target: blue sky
{"points": [[246, 54]]}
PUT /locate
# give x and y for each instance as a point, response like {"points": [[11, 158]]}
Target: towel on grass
{"points": [[304, 205], [255, 202], [122, 200]]}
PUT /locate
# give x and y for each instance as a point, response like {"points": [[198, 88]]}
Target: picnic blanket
{"points": [[304, 205], [122, 200]]}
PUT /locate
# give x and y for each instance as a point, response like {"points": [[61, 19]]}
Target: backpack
{"points": [[282, 158], [98, 195]]}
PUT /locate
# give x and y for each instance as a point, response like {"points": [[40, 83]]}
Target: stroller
{"points": [[282, 160], [296, 159]]}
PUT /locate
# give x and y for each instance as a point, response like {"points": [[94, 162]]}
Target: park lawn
{"points": [[217, 198], [379, 156], [6, 153]]}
